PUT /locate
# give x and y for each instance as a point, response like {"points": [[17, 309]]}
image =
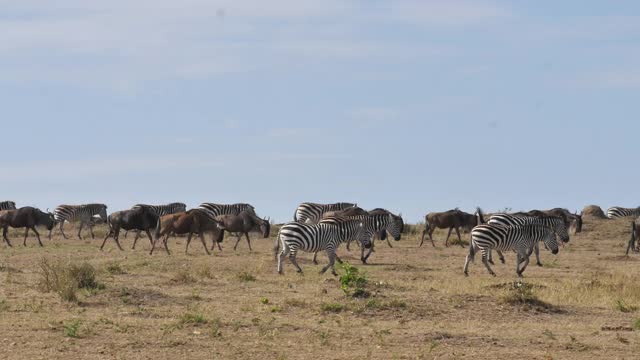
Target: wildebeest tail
{"points": [[295, 215], [158, 228]]}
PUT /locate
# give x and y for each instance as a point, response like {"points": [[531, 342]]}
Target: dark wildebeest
{"points": [[141, 218], [193, 221], [635, 231], [564, 214], [452, 219], [25, 217], [243, 223]]}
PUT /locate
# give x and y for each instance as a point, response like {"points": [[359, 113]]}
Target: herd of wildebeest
{"points": [[320, 227]]}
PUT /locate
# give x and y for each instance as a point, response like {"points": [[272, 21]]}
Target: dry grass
{"points": [[418, 305]]}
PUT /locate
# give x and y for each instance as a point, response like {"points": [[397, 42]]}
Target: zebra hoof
{"points": [[493, 274], [539, 264], [502, 260], [466, 274], [491, 262]]}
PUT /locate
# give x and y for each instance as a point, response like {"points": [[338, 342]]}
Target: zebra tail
{"points": [[472, 251], [479, 216], [276, 245]]}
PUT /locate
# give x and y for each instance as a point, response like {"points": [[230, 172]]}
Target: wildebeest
{"points": [[243, 223], [635, 231], [312, 212], [25, 217], [141, 218], [193, 221], [564, 214], [452, 219], [7, 205]]}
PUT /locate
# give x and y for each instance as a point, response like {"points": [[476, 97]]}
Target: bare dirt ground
{"points": [[582, 304]]}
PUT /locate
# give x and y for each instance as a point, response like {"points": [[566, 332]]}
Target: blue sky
{"points": [[414, 106]]}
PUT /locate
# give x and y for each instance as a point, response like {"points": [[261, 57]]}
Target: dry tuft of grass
{"points": [[66, 278]]}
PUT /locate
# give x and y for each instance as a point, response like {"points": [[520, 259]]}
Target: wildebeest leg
{"points": [[126, 232], [26, 233], [135, 240], [424, 232], [431, 236], [188, 241], [238, 237], [248, 241], [37, 235], [204, 243], [459, 238], [332, 260], [150, 238], [4, 235], [105, 239], [536, 249], [446, 242]]}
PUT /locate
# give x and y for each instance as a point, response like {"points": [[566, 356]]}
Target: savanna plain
{"points": [[69, 300]]}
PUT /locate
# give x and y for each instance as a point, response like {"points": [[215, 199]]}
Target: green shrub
{"points": [[332, 307], [71, 329], [246, 276], [353, 283]]}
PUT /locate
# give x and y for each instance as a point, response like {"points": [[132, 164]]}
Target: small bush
{"points": [[183, 276], [622, 306], [246, 276], [71, 329], [276, 309], [332, 307], [636, 324], [190, 318], [115, 269], [215, 328], [264, 301], [65, 278], [353, 282]]}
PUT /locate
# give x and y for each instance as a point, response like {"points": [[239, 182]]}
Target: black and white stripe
{"points": [[82, 213], [7, 205], [159, 210], [226, 209], [618, 212], [558, 225], [520, 238], [312, 212], [379, 223], [316, 237]]}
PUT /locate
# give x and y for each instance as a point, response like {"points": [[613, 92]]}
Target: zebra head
{"points": [[550, 241], [364, 237], [560, 229], [395, 226]]}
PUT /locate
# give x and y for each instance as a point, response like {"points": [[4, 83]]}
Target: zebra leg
{"points": [[26, 233], [315, 257], [536, 249], [332, 260], [459, 238], [292, 258], [388, 242], [62, 230], [91, 231], [4, 235], [281, 255], [37, 235], [485, 261], [364, 259], [348, 243], [470, 257], [238, 237], [80, 230], [446, 242]]}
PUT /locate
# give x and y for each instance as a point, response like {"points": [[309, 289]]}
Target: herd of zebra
{"points": [[318, 227]]}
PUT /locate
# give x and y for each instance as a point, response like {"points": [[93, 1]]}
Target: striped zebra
{"points": [[520, 238], [558, 225], [618, 212], [381, 221], [312, 212], [82, 213], [328, 236], [159, 210], [226, 209], [7, 205]]}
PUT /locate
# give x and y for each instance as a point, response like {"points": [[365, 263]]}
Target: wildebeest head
{"points": [[265, 227], [578, 218], [47, 219]]}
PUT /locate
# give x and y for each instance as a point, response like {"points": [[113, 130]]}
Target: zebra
{"points": [[83, 213], [520, 238], [312, 212], [558, 225], [328, 236], [618, 212], [380, 221], [7, 205], [226, 209], [159, 210]]}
